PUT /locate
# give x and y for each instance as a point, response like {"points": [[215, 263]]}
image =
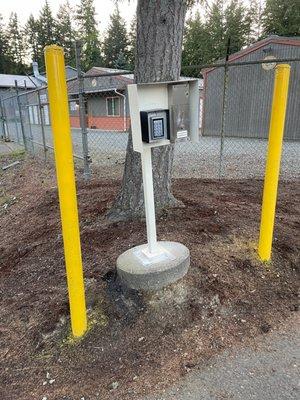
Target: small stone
{"points": [[44, 398], [141, 339], [51, 381], [114, 385], [265, 328], [44, 383], [47, 375]]}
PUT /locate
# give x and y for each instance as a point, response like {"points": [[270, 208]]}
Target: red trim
{"points": [[257, 46]]}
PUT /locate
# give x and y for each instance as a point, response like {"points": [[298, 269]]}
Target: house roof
{"points": [[284, 40], [8, 81], [94, 82], [124, 76]]}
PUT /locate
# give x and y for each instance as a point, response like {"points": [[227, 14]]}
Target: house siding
{"points": [[249, 97]]}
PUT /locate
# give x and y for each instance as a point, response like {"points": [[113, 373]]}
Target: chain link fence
{"points": [[235, 106]]}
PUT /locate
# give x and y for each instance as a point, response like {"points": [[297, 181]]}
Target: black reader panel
{"points": [[155, 125]]}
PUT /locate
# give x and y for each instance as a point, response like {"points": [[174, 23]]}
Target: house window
{"points": [[34, 115], [113, 106]]}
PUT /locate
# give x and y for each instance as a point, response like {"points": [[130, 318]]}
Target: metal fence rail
{"points": [[233, 128]]}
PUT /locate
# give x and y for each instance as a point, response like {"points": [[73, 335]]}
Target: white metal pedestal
{"points": [[153, 248]]}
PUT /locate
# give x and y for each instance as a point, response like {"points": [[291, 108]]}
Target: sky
{"points": [[103, 9]]}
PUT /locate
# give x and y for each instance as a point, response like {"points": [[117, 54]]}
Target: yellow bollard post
{"points": [[280, 95], [59, 110]]}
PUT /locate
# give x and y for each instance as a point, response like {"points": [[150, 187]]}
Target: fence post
{"points": [[29, 122], [223, 109], [42, 124], [2, 117], [82, 117], [280, 96], [21, 117], [16, 121]]}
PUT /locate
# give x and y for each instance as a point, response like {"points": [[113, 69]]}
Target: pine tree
{"points": [[115, 44], [131, 44], [15, 45], [31, 33], [4, 60], [255, 14], [237, 25], [88, 34], [65, 34], [281, 17], [206, 41], [215, 28], [195, 42], [121, 62], [46, 29]]}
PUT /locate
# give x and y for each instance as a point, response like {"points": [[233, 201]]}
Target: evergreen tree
{"points": [[237, 25], [215, 28], [131, 44], [4, 60], [88, 34], [64, 32], [31, 33], [121, 62], [15, 45], [46, 29], [206, 41], [115, 45], [281, 17], [255, 15], [195, 42]]}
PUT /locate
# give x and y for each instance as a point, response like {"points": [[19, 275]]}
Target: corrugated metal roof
{"points": [[7, 81]]}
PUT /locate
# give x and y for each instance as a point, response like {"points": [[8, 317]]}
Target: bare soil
{"points": [[137, 343]]}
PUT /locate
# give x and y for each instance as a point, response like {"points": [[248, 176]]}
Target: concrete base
{"points": [[139, 269]]}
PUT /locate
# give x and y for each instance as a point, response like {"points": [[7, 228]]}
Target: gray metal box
{"points": [[179, 112]]}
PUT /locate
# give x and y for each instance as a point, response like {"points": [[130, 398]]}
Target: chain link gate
{"points": [[235, 103]]}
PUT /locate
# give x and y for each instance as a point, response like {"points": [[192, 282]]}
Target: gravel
{"points": [[242, 158]]}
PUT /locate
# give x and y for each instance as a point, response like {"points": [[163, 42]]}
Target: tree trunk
{"points": [[160, 26]]}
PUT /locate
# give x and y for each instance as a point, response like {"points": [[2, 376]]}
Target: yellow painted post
{"points": [[60, 121], [280, 95]]}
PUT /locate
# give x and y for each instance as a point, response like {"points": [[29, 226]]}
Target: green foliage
{"points": [[15, 46], [281, 17], [46, 28], [65, 34], [115, 44], [132, 44], [205, 40], [4, 59], [195, 42], [255, 12], [205, 37], [237, 25], [31, 34], [88, 34]]}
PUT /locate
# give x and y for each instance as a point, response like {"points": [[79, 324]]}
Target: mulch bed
{"points": [[137, 343]]}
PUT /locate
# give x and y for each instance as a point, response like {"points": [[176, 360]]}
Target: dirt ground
{"points": [[137, 343]]}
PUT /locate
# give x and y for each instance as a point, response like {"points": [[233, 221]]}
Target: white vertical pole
{"points": [[149, 199]]}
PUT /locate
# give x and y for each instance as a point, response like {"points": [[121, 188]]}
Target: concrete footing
{"points": [[138, 269]]}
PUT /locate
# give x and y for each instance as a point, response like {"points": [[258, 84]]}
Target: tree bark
{"points": [[160, 25]]}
